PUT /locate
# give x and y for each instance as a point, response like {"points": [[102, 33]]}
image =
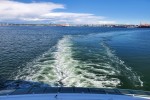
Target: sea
{"points": [[99, 57]]}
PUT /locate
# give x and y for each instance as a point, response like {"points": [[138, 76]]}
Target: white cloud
{"points": [[44, 11], [12, 9]]}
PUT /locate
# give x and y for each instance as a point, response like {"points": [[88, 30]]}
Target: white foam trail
{"points": [[66, 67], [141, 82], [121, 67], [34, 69]]}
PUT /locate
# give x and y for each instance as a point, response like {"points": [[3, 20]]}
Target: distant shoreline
{"points": [[81, 25]]}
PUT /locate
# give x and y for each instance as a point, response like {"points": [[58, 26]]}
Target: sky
{"points": [[75, 11]]}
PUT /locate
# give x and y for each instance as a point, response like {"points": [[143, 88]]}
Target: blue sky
{"points": [[98, 11]]}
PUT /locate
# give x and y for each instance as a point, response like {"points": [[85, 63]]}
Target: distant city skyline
{"points": [[75, 11]]}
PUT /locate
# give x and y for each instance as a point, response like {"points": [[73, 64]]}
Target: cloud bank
{"points": [[45, 12]]}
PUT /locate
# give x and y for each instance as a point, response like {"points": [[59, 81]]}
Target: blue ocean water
{"points": [[76, 56]]}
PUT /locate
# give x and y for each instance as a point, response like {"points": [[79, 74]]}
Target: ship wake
{"points": [[64, 65]]}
